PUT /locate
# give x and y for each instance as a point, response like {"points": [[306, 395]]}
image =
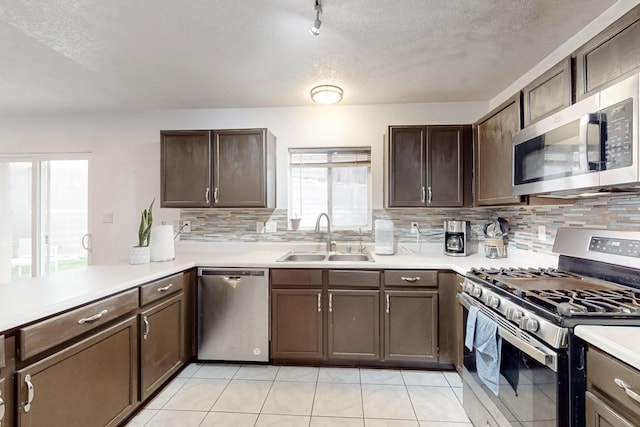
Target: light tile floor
{"points": [[222, 395]]}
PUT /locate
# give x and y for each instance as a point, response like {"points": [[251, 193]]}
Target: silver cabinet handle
{"points": [[422, 198], [206, 195], [330, 302], [165, 288], [30, 393], [430, 194], [93, 318], [215, 195], [627, 389], [2, 410], [146, 327], [388, 304], [319, 302], [410, 279]]}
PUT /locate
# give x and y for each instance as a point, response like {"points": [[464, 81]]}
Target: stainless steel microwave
{"points": [[590, 146]]}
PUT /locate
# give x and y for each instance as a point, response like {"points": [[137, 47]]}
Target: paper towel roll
{"points": [[162, 246]]}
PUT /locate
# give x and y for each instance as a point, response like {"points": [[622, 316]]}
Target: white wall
{"points": [[124, 171]]}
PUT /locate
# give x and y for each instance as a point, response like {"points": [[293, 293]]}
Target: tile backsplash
{"points": [[610, 212]]}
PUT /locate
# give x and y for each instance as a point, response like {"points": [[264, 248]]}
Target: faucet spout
{"points": [[317, 230]]}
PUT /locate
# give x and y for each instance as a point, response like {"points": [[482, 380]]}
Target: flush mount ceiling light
{"points": [[326, 94], [315, 30]]}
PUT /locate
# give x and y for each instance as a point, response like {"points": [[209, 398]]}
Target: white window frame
{"points": [[362, 149]]}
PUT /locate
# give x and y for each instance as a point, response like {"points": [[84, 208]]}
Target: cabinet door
{"points": [[445, 179], [494, 154], [186, 169], [599, 414], [296, 322], [411, 326], [239, 158], [549, 93], [354, 324], [406, 168], [92, 383], [161, 343], [612, 55]]}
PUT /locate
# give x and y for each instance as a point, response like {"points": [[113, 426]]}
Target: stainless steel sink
{"points": [[301, 257], [323, 256], [350, 257]]}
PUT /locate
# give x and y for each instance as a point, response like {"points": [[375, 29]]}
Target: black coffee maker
{"points": [[456, 238]]}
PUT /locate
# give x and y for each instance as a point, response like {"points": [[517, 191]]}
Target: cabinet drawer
{"points": [[161, 288], [412, 278], [296, 277], [602, 373], [51, 332], [354, 279], [2, 351]]}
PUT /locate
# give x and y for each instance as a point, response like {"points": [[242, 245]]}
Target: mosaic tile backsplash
{"points": [[610, 212]]}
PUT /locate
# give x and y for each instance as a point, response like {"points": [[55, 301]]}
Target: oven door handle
{"points": [[550, 360], [546, 358]]}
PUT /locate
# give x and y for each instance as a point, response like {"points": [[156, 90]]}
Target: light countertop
{"points": [[621, 342], [26, 301]]}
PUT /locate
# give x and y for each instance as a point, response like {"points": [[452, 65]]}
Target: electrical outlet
{"points": [[542, 232], [271, 226], [260, 227], [414, 228], [186, 226]]}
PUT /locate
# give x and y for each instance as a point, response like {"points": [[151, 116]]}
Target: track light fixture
{"points": [[315, 30]]}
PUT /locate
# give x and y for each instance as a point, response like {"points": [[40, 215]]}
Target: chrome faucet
{"points": [[317, 230]]}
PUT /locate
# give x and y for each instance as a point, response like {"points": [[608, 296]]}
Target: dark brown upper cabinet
{"points": [[186, 177], [494, 153], [611, 56], [549, 93], [218, 168], [429, 166]]}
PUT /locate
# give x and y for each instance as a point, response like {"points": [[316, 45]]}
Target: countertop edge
{"points": [[616, 341]]}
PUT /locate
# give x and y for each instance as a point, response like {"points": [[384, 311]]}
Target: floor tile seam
{"points": [[265, 398], [220, 395], [170, 397]]}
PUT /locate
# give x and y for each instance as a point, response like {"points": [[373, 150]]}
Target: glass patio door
{"points": [[43, 216]]}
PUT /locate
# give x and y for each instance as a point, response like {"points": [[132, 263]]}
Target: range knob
{"points": [[493, 301], [529, 324], [514, 315], [477, 291], [467, 287]]}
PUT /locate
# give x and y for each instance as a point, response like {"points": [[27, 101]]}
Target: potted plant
{"points": [[141, 254]]}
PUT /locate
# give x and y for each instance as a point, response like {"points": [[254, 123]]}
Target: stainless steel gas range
{"points": [[542, 372]]}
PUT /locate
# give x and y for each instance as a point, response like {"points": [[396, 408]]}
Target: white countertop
{"points": [[28, 300], [621, 342]]}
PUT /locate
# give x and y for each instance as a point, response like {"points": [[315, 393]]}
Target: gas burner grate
{"points": [[615, 302]]}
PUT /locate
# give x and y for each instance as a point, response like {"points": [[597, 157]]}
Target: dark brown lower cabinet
{"points": [[411, 326], [354, 324], [91, 383], [162, 335], [296, 324], [599, 414]]}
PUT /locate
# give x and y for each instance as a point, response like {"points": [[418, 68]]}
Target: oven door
{"points": [[530, 386]]}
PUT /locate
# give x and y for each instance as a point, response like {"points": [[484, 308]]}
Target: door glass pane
{"points": [[64, 214], [15, 220]]}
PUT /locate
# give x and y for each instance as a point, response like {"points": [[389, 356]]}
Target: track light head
{"points": [[315, 30]]}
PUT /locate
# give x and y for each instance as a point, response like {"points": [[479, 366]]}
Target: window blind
{"points": [[324, 157]]}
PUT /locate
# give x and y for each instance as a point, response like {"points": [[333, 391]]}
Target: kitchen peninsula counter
{"points": [[621, 342], [28, 300]]}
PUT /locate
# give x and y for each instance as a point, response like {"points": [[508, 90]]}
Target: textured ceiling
{"points": [[71, 55]]}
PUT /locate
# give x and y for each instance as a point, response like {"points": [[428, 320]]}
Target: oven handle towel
{"points": [[482, 335]]}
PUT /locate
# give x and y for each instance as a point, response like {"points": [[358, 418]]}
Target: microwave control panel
{"points": [[618, 146]]}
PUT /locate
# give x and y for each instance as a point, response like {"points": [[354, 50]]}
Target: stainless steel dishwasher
{"points": [[233, 309]]}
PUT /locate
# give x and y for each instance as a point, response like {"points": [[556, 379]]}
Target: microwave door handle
{"points": [[583, 149]]}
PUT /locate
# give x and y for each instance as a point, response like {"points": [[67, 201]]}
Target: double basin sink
{"points": [[324, 256]]}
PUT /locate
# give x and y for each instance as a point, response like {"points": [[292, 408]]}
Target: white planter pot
{"points": [[139, 255]]}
